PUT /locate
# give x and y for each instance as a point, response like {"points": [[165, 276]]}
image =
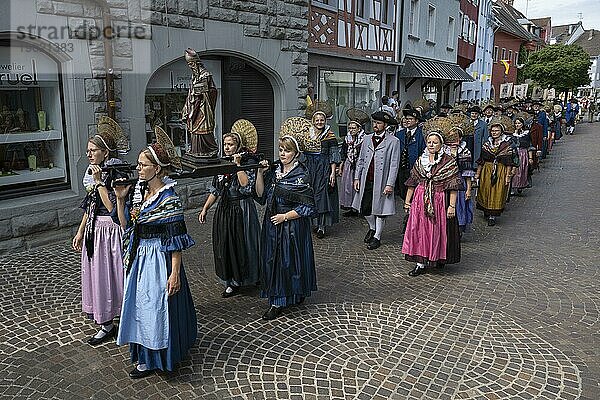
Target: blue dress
{"points": [[287, 258], [464, 207], [160, 329]]}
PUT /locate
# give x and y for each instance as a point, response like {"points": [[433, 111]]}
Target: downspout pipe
{"points": [[400, 42], [107, 36]]}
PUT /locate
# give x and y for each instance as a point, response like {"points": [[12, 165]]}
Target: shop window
{"points": [[431, 91], [32, 138], [344, 90]]}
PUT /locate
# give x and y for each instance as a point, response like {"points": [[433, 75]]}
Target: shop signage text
{"points": [[13, 75]]}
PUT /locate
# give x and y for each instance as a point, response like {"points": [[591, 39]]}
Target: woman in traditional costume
{"points": [[99, 236], [158, 318], [287, 258], [235, 229], [350, 152], [522, 141], [432, 235], [322, 154], [494, 171], [458, 148]]}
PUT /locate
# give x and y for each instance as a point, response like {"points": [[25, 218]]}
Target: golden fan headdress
{"points": [[298, 129], [247, 133], [319, 106], [163, 149], [357, 115], [506, 122], [422, 103], [111, 134]]}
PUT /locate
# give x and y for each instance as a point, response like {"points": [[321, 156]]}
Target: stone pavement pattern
{"points": [[516, 319]]}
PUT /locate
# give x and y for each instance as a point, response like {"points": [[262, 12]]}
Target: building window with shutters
{"points": [[472, 32], [385, 12], [360, 8], [413, 20], [451, 33], [465, 28], [431, 23]]}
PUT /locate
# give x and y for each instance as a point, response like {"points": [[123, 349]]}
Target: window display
{"points": [[344, 90], [165, 110], [32, 145]]}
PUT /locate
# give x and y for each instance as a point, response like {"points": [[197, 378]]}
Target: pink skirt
{"points": [[519, 181], [347, 185], [102, 275], [424, 236]]}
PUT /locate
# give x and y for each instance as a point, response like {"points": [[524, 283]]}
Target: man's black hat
{"points": [[383, 117], [534, 102], [411, 112], [476, 109], [446, 105]]}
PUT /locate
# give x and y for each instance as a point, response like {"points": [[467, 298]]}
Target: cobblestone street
{"points": [[516, 319]]}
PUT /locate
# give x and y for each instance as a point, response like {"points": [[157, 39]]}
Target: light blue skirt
{"points": [[159, 329]]}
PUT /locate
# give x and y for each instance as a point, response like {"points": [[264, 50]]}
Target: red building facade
{"points": [[506, 47]]}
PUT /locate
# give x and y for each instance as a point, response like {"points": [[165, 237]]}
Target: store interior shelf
{"points": [[30, 136], [32, 176]]}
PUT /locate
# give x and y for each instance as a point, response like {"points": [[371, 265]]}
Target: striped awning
{"points": [[417, 67]]}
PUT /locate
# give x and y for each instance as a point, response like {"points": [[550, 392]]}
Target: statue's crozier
{"points": [[199, 109]]}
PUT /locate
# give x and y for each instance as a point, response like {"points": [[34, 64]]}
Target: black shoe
{"points": [[93, 341], [272, 313], [320, 233], [137, 374], [350, 213], [374, 244], [233, 292], [491, 221], [369, 235], [301, 300], [416, 271]]}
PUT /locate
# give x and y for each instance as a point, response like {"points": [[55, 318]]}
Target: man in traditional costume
{"points": [[412, 145], [480, 134], [375, 177]]}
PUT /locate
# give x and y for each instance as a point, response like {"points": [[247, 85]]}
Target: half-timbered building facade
{"points": [[353, 59]]}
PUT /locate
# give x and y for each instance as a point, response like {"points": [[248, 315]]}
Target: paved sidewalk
{"points": [[516, 319]]}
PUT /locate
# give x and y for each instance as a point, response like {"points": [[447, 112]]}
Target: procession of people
{"points": [[437, 168]]}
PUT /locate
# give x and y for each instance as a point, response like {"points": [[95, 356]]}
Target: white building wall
{"points": [[481, 68]]}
